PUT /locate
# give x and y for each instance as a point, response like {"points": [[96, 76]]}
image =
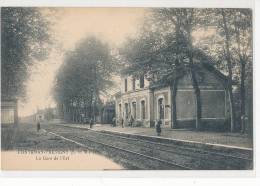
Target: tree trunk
{"points": [[73, 114], [70, 113], [93, 104], [173, 91], [229, 64], [95, 93], [94, 109], [67, 113], [250, 111], [242, 96], [242, 61], [78, 110], [64, 112], [197, 98], [192, 73], [232, 109], [196, 89]]}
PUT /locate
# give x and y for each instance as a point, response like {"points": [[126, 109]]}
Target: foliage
{"points": [[239, 25], [25, 38], [162, 48], [86, 72], [155, 52]]}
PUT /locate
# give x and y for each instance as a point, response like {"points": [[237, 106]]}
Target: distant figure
{"points": [[114, 122], [158, 127], [91, 123], [38, 126], [122, 122], [131, 121]]}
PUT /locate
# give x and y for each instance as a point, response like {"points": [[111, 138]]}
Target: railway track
{"points": [[163, 163], [203, 159], [163, 156]]}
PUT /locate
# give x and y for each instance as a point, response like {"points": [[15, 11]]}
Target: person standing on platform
{"points": [[122, 122], [91, 123], [114, 122], [158, 127], [131, 121]]}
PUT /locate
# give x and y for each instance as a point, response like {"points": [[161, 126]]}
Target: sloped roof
{"points": [[202, 65]]}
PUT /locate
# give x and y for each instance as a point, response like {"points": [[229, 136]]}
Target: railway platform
{"points": [[222, 139]]}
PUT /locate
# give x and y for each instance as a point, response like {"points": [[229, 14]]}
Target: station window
{"points": [[161, 108], [142, 81], [133, 83], [134, 110], [126, 111], [125, 84], [143, 109]]}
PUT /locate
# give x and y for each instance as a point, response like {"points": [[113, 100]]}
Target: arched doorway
{"points": [[126, 111], [161, 109], [134, 110]]}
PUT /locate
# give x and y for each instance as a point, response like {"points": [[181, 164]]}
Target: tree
{"points": [[243, 37], [229, 65], [187, 20], [85, 73], [165, 50], [25, 38], [184, 21], [231, 46]]}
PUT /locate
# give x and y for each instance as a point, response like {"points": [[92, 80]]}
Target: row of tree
{"points": [[26, 39], [85, 74], [170, 44]]}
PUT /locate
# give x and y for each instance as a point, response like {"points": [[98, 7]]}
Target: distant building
{"points": [[147, 102], [9, 111]]}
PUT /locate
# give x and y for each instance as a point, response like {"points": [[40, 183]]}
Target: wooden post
{"points": [[15, 112]]}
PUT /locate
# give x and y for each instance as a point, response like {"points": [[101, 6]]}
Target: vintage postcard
{"points": [[123, 88]]}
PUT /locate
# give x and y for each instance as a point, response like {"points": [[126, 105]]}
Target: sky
{"points": [[71, 25]]}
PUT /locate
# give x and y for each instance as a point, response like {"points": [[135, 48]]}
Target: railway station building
{"points": [[147, 102]]}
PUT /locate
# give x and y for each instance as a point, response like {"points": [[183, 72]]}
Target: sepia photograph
{"points": [[127, 88]]}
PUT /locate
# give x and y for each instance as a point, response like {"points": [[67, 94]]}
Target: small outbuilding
{"points": [[9, 111]]}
